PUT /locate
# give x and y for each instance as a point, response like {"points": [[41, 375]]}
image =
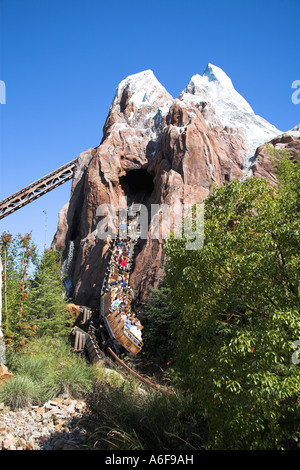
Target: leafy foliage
{"points": [[18, 254], [159, 321], [31, 306], [239, 303]]}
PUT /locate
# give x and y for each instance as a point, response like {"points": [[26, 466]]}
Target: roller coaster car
{"points": [[117, 329]]}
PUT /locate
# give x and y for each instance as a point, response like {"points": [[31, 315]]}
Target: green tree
{"points": [[159, 321], [47, 302], [18, 255], [28, 253], [239, 303], [5, 241]]}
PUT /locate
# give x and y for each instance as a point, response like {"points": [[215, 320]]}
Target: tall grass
{"points": [[120, 418], [20, 392], [73, 378], [45, 370]]}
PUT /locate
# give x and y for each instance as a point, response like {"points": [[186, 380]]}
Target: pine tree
{"points": [[5, 241], [17, 253], [47, 302]]}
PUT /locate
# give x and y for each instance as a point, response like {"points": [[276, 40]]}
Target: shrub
{"points": [[20, 392], [50, 369], [239, 302], [73, 377], [159, 321], [121, 418]]}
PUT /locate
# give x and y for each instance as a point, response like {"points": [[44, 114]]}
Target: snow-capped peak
{"points": [[140, 106], [215, 87], [227, 107], [215, 74], [143, 89], [295, 131]]}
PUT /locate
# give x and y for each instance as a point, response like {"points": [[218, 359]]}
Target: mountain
{"points": [[157, 149], [223, 105], [295, 131]]}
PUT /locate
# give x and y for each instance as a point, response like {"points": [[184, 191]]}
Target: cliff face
{"points": [[158, 150], [262, 162]]}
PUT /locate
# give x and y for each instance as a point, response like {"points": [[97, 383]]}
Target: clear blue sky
{"points": [[61, 61]]}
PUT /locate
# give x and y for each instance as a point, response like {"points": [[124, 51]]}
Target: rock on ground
{"points": [[53, 426]]}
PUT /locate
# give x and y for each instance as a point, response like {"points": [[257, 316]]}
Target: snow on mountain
{"points": [[139, 108], [221, 104], [146, 129], [145, 103], [295, 131], [143, 90]]}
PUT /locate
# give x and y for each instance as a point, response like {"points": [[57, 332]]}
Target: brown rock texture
{"points": [[5, 374], [167, 151], [52, 426], [264, 165]]}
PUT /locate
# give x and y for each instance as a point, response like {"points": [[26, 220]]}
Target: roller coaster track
{"points": [[37, 189], [34, 191], [86, 340], [122, 364]]}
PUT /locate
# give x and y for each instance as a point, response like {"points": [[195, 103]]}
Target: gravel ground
{"points": [[53, 426]]}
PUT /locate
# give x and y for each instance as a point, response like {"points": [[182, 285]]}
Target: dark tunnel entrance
{"points": [[137, 184]]}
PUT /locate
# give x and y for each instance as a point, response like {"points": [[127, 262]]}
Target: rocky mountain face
{"points": [[262, 164], [159, 150]]}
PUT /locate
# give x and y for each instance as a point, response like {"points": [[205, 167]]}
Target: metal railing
{"points": [[37, 189]]}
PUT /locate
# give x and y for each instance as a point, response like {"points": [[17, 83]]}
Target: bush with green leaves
{"points": [[159, 322], [239, 303]]}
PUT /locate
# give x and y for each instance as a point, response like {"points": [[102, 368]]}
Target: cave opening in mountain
{"points": [[137, 185]]}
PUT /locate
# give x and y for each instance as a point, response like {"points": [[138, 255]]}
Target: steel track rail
{"points": [[37, 189], [140, 377]]}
